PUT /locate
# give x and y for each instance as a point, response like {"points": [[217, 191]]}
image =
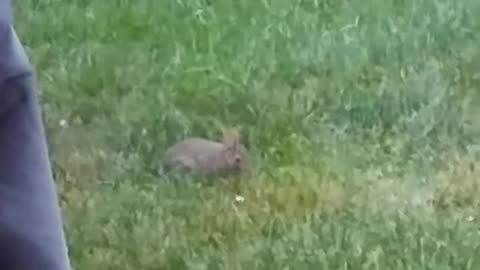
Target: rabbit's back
{"points": [[193, 154], [194, 146]]}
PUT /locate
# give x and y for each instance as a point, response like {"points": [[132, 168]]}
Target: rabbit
{"points": [[208, 158]]}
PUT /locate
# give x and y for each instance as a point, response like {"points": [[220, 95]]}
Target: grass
{"points": [[361, 118]]}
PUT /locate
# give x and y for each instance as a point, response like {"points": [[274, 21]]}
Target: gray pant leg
{"points": [[31, 231]]}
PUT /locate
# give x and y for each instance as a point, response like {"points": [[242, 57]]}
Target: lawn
{"points": [[361, 119]]}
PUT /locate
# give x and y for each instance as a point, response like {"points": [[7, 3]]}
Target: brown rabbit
{"points": [[208, 158]]}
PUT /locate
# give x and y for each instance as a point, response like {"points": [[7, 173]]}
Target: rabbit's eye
{"points": [[238, 159]]}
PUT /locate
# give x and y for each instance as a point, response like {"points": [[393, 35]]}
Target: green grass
{"points": [[360, 117]]}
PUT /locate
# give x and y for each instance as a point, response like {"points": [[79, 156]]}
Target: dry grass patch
{"points": [[459, 184]]}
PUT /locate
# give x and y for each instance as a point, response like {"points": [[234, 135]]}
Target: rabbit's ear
{"points": [[231, 138]]}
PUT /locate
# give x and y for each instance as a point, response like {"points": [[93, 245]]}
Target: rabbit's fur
{"points": [[208, 158]]}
